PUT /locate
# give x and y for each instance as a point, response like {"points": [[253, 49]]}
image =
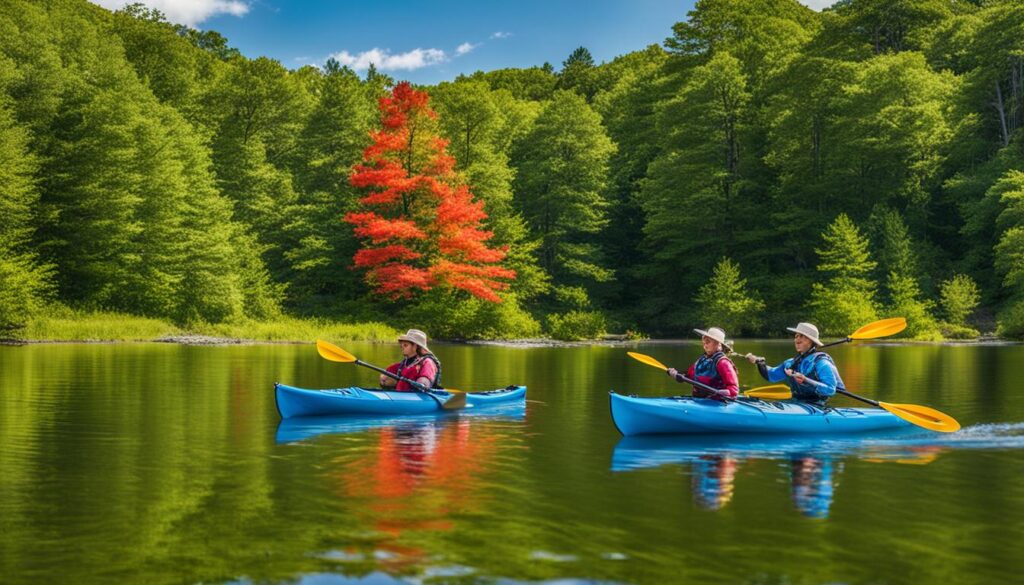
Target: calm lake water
{"points": [[153, 463]]}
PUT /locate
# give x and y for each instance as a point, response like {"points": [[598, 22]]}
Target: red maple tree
{"points": [[421, 224]]}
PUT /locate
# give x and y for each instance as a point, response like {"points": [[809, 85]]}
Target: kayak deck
{"points": [[293, 401], [634, 415]]}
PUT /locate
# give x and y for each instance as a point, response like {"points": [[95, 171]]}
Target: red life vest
{"points": [[411, 367]]}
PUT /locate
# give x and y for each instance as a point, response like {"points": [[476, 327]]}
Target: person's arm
{"points": [[778, 373], [827, 378], [428, 373], [388, 381], [677, 376], [727, 372], [762, 367]]}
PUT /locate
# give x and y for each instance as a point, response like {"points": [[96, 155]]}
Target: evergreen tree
{"points": [[1009, 252], [959, 298], [256, 111], [164, 61], [905, 301], [562, 173], [578, 73], [725, 301], [846, 300], [331, 143], [24, 284], [693, 196], [628, 112]]}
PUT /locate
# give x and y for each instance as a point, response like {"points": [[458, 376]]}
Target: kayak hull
{"points": [[685, 415], [293, 401]]}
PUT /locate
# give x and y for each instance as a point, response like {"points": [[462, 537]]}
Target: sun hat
{"points": [[415, 336], [715, 333], [807, 330]]}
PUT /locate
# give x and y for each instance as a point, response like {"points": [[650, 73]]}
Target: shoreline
{"points": [[529, 343]]}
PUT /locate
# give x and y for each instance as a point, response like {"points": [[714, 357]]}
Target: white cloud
{"points": [[818, 5], [465, 48], [187, 12], [501, 35], [383, 59]]}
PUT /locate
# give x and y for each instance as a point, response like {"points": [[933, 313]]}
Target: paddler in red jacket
{"points": [[713, 368], [417, 364]]}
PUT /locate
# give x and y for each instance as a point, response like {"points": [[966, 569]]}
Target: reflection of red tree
{"points": [[413, 479]]}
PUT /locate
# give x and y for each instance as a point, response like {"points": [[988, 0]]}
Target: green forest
{"points": [[766, 164]]}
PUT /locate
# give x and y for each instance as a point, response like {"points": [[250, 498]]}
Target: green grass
{"points": [[68, 325], [294, 329], [62, 324]]}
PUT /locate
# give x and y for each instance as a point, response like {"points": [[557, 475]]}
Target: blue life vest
{"points": [[807, 365], [706, 372]]}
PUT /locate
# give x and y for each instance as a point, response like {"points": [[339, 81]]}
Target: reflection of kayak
{"points": [[300, 428], [648, 451], [292, 401], [683, 414]]}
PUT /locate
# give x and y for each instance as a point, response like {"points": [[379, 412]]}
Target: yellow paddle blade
{"points": [[332, 352], [457, 401], [647, 360], [773, 392], [883, 328], [923, 416]]}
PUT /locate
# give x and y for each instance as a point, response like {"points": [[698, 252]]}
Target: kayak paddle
{"points": [[882, 328], [332, 352], [921, 416]]}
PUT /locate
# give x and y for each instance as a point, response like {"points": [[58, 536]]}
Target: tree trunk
{"points": [[1002, 113], [1014, 121], [816, 125]]}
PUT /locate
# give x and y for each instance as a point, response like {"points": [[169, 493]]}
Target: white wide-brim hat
{"points": [[415, 336], [807, 330], [716, 334]]}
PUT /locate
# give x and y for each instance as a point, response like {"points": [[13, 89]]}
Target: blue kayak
{"points": [[292, 401], [684, 415]]}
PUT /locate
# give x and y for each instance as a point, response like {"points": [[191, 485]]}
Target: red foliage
{"points": [[422, 225]]}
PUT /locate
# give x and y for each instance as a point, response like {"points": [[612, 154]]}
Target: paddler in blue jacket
{"points": [[812, 375]]}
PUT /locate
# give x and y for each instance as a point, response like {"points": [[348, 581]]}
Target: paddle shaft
{"points": [[861, 398], [716, 392], [705, 387], [846, 393], [413, 383]]}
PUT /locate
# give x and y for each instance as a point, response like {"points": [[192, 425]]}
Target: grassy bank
{"points": [[69, 325]]}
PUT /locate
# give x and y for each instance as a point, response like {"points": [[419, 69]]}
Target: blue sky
{"points": [[428, 42]]}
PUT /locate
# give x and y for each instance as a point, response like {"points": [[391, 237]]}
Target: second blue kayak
{"points": [[684, 415], [292, 401]]}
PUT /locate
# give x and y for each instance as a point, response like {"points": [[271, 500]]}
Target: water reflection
{"points": [[814, 462], [153, 463], [811, 480], [713, 477], [307, 427], [410, 483]]}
